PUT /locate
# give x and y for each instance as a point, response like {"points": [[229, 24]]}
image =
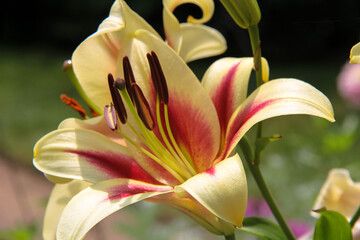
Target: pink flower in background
{"points": [[299, 228], [349, 84], [257, 207]]}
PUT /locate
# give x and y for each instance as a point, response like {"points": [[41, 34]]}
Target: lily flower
{"points": [[339, 193], [167, 138]]}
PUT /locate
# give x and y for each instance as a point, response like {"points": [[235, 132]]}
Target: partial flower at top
{"points": [[349, 84], [164, 136], [339, 193], [102, 52], [355, 53]]}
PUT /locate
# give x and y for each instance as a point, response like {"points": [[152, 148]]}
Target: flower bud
{"points": [[245, 13]]}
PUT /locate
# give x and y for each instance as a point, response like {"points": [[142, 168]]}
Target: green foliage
{"points": [[20, 233], [332, 226], [262, 142], [31, 85], [262, 228]]}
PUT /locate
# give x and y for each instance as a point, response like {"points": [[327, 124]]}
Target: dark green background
{"points": [[297, 29]]}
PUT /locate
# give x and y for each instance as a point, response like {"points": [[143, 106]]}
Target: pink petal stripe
{"points": [[223, 98], [154, 168], [115, 165], [211, 171], [236, 125], [193, 132], [122, 191]]}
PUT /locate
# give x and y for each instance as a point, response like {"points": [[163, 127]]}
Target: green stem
{"points": [[256, 49], [230, 237], [252, 159], [355, 217], [256, 172]]}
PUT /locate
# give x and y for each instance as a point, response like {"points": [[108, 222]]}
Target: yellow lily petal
{"points": [[121, 17], [355, 54], [171, 28], [200, 41], [276, 98], [195, 210], [226, 81], [222, 190], [98, 201], [207, 7], [87, 155], [191, 40], [97, 124], [228, 77], [265, 70], [56, 179], [60, 196]]}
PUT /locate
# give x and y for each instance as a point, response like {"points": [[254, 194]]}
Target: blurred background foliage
{"points": [[305, 39]]}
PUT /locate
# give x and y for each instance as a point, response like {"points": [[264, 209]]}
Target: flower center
{"points": [[161, 147]]}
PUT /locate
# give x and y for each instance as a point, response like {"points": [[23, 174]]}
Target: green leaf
{"points": [[332, 226], [262, 142], [262, 228]]}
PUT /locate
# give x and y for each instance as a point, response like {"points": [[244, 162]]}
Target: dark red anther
{"points": [[154, 76], [128, 75], [142, 107], [158, 77], [116, 98]]}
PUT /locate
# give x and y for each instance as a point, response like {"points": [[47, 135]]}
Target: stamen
{"points": [[118, 103], [142, 107], [111, 121], [163, 84], [151, 141], [154, 77], [73, 104], [158, 77], [129, 91], [176, 153], [128, 75]]}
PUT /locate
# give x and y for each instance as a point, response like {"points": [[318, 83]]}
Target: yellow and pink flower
{"points": [[164, 137]]}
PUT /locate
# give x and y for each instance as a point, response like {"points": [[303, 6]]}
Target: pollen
{"points": [[73, 104]]}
